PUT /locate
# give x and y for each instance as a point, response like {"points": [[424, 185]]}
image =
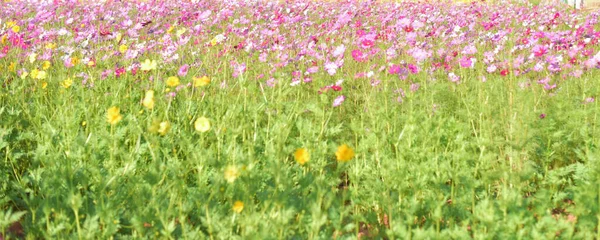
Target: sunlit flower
{"points": [[24, 74], [301, 156], [113, 115], [180, 32], [183, 70], [66, 83], [217, 39], [41, 75], [344, 153], [202, 124], [50, 46], [148, 65], [338, 100], [12, 66], [201, 81], [163, 128], [123, 48], [231, 173], [46, 65], [32, 57], [34, 73], [16, 29], [75, 61], [238, 206], [172, 81], [148, 100]]}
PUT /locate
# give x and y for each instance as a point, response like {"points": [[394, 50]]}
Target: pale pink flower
{"points": [[339, 100]]}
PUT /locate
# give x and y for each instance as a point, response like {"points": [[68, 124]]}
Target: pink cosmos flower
{"points": [[339, 100], [539, 50], [453, 78], [358, 55], [366, 44], [183, 70], [339, 51], [394, 69], [466, 62], [331, 68]]}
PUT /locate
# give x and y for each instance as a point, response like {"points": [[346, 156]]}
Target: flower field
{"points": [[298, 120]]}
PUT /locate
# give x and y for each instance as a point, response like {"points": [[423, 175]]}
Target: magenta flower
{"points": [[394, 69], [366, 44], [358, 55], [467, 62], [119, 71], [539, 50], [414, 69]]}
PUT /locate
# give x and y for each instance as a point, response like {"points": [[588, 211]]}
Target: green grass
{"points": [[482, 160]]}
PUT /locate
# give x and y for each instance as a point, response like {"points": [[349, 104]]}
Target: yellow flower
{"points": [[201, 81], [46, 65], [164, 127], [74, 60], [180, 32], [217, 39], [10, 23], [170, 29], [202, 124], [16, 29], [44, 85], [41, 75], [32, 57], [4, 39], [172, 81], [301, 156], [50, 45], [148, 65], [148, 100], [91, 63], [34, 73], [238, 206], [123, 48], [66, 83], [12, 66], [344, 153], [113, 116], [83, 123], [231, 173], [119, 37], [24, 74]]}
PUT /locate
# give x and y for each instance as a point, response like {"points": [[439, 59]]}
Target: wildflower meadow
{"points": [[298, 119]]}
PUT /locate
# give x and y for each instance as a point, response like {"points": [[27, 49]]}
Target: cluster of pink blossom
{"points": [[305, 42]]}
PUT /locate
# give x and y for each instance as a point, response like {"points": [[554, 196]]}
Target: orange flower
{"points": [[344, 153], [238, 206], [301, 156]]}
